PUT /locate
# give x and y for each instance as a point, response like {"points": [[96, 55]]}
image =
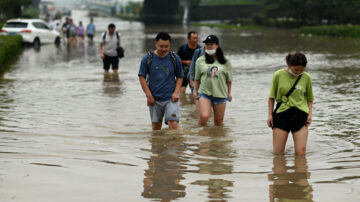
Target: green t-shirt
{"points": [[213, 77], [281, 85]]}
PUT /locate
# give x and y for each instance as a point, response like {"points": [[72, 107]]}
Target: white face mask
{"points": [[210, 52], [292, 73]]}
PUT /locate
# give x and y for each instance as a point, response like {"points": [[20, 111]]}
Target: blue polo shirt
{"points": [[162, 75]]}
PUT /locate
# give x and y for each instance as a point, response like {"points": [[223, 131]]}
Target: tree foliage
{"points": [[12, 8], [230, 2], [310, 12]]}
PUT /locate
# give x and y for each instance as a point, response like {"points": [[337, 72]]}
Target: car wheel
{"points": [[36, 43], [57, 41]]}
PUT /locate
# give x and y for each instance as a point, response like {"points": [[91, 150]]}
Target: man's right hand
{"points": [[102, 55], [150, 100], [192, 83], [195, 96]]}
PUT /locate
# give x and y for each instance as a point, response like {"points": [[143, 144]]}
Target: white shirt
{"points": [[110, 46]]}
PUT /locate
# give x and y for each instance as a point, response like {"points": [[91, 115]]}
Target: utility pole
{"points": [[185, 4]]}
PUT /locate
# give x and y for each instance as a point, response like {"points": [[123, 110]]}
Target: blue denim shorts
{"points": [[214, 100]]}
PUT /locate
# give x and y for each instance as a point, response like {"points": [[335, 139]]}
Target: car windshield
{"points": [[15, 25]]}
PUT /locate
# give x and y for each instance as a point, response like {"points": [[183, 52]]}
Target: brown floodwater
{"points": [[70, 133]]}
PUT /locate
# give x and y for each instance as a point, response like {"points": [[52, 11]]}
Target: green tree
{"points": [[308, 12], [12, 8]]}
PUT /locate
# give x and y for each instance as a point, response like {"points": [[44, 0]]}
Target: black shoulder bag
{"points": [[288, 94]]}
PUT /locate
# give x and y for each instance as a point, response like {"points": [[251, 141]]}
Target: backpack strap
{"points": [[288, 94], [118, 38], [104, 38], [293, 87], [149, 61], [149, 58], [173, 59]]}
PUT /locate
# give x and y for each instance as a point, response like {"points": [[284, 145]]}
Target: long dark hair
{"points": [[219, 54]]}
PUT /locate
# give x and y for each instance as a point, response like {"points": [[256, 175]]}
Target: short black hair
{"points": [[190, 33], [111, 25], [163, 36]]}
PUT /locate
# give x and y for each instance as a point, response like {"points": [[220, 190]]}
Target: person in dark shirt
{"points": [[186, 53], [65, 32]]}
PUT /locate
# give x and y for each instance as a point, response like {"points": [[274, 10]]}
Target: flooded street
{"points": [[66, 134]]}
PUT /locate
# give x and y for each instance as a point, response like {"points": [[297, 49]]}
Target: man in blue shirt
{"points": [[90, 30], [165, 75]]}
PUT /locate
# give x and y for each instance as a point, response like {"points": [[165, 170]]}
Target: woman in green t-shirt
{"points": [[295, 111], [214, 71]]}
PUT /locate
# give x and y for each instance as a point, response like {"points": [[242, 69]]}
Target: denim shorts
{"points": [[214, 100], [167, 109]]}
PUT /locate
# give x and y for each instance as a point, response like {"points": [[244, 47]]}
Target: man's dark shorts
{"points": [[185, 81], [292, 119], [90, 36], [113, 61]]}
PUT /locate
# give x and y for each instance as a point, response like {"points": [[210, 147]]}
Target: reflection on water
{"points": [[290, 182], [216, 188], [6, 103], [163, 177], [71, 52], [169, 162], [91, 49], [215, 157], [76, 51], [81, 49], [112, 85]]}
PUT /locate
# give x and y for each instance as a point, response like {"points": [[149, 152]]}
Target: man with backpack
{"points": [[110, 41], [160, 77], [186, 53]]}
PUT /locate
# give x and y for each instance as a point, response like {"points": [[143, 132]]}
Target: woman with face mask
{"points": [[295, 111], [214, 71]]}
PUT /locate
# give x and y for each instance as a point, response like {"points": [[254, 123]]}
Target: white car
{"points": [[34, 31]]}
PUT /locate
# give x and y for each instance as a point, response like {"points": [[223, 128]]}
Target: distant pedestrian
{"points": [[292, 89], [71, 29], [90, 30], [53, 23], [214, 72], [110, 40], [197, 53], [58, 26], [65, 32], [80, 30], [163, 70], [186, 53]]}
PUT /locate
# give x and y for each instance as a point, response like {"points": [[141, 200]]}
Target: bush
{"points": [[30, 13], [10, 46], [333, 30]]}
